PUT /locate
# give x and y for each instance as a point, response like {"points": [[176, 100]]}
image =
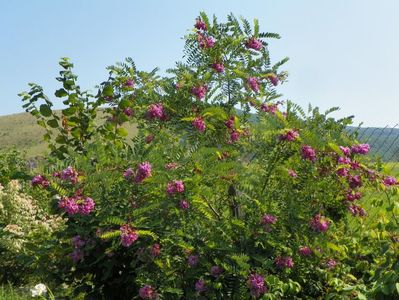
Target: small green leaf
{"points": [[122, 131], [61, 93], [45, 110]]}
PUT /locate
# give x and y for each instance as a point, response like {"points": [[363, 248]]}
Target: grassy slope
{"points": [[22, 132]]}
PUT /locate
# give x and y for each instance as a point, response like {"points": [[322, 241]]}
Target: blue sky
{"points": [[343, 53]]}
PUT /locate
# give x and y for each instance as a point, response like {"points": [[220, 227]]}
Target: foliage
{"points": [[207, 202]]}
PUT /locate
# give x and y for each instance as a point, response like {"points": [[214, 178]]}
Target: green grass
{"points": [[7, 292], [20, 131]]}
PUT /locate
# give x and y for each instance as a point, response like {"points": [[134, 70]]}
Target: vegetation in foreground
{"points": [[203, 204]]}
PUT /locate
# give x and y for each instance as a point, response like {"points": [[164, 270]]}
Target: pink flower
{"points": [[200, 25], [361, 148], [199, 92], [200, 286], [218, 67], [87, 206], [155, 250], [319, 223], [171, 166], [268, 219], [292, 173], [216, 271], [230, 122], [305, 251], [253, 84], [77, 255], [143, 172], [68, 174], [174, 187], [344, 160], [269, 108], [356, 210], [253, 43], [129, 83], [40, 180], [77, 241], [156, 111], [69, 205], [345, 150], [355, 181], [343, 172], [352, 196], [128, 111], [256, 284], [199, 124], [128, 235], [389, 180], [205, 41], [234, 136], [273, 79], [290, 136], [146, 292], [284, 262], [308, 153], [184, 204], [193, 260], [128, 173], [330, 264]]}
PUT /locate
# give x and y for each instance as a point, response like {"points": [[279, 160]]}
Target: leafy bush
{"points": [[225, 192]]}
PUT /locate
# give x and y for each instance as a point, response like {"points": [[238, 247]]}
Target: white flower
{"points": [[39, 290]]}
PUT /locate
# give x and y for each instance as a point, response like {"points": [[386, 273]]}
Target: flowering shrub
{"points": [[208, 201]]}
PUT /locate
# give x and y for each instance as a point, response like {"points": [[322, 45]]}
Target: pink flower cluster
{"points": [[156, 111], [128, 235], [355, 181], [77, 205], [305, 251], [200, 25], [146, 292], [200, 286], [155, 250], [216, 271], [205, 42], [143, 172], [360, 149], [218, 67], [253, 84], [256, 284], [292, 173], [273, 79], [184, 204], [268, 219], [128, 111], [193, 260], [174, 187], [319, 223], [68, 174], [129, 83], [352, 195], [199, 124], [253, 43], [345, 150], [199, 91], [284, 262], [330, 264], [356, 210], [271, 108], [234, 136], [308, 153], [77, 253], [389, 181], [171, 166], [290, 136], [40, 180], [230, 122]]}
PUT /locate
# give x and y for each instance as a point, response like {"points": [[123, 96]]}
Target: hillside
{"points": [[22, 132]]}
